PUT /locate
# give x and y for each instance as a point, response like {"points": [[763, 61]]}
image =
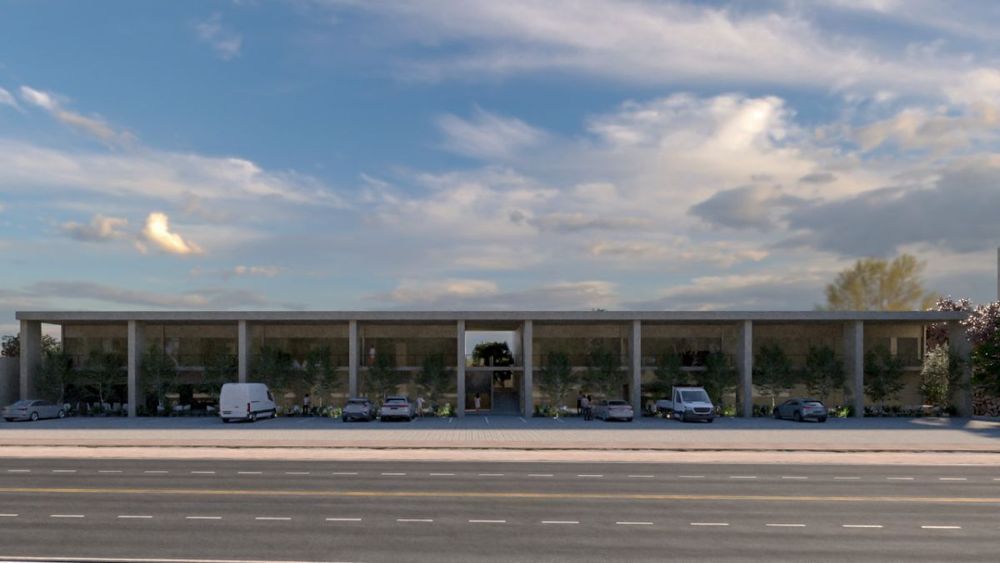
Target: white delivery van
{"points": [[688, 403], [246, 401]]}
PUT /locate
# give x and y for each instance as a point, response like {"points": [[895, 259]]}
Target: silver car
{"points": [[32, 409], [397, 407], [358, 409], [801, 409], [614, 410]]}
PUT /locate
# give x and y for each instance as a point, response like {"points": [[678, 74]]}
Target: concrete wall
{"points": [[9, 380]]}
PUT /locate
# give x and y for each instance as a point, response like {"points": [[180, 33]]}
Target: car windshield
{"points": [[396, 400], [356, 402], [21, 404], [694, 396], [813, 403], [617, 403]]}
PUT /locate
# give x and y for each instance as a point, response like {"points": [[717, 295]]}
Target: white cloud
{"points": [[482, 294], [225, 42], [239, 271], [7, 99], [99, 229], [94, 126], [209, 298], [487, 135], [157, 231]]}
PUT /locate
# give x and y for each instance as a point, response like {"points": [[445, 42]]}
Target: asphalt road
{"points": [[377, 511]]}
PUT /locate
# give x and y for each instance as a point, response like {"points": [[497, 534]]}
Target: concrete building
{"points": [[639, 338]]}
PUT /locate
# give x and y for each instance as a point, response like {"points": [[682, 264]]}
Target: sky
{"points": [[345, 155]]}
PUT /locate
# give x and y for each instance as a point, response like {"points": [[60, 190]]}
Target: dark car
{"points": [[801, 409]]}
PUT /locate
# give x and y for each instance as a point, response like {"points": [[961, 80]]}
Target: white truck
{"points": [[246, 401], [688, 403]]}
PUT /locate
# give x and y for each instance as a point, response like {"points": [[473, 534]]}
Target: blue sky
{"points": [[478, 154]]}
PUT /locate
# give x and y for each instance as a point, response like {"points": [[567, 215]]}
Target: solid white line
{"points": [[109, 470], [442, 474], [8, 515], [64, 470], [343, 519], [66, 516], [18, 471], [203, 472], [487, 521], [953, 479], [634, 523], [798, 477], [899, 478], [394, 474], [249, 472], [709, 523], [941, 527], [491, 474], [846, 478], [742, 476], [203, 517], [786, 525], [586, 475], [641, 476], [135, 560], [344, 473], [560, 522], [282, 518], [414, 520], [861, 525], [134, 517]]}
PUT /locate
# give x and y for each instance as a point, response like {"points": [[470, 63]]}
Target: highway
{"points": [[110, 509]]}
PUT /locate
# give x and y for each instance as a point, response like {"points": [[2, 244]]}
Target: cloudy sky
{"points": [[481, 154]]}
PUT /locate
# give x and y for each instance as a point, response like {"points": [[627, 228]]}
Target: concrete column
{"points": [[460, 369], [636, 368], [744, 367], [528, 383], [352, 358], [31, 356], [959, 345], [854, 362], [243, 351], [136, 346]]}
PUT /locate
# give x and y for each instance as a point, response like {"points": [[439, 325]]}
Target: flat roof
{"points": [[72, 317]]}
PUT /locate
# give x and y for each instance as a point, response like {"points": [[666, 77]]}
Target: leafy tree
{"points": [[10, 346], [936, 377], [221, 367], [937, 333], [105, 370], [383, 379], [556, 378], [159, 373], [983, 330], [772, 370], [875, 284], [493, 353], [719, 377], [273, 366], [668, 374], [321, 373], [55, 375], [883, 375], [434, 378], [604, 373], [823, 372]]}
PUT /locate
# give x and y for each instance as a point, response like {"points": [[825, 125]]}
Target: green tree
{"points": [[556, 378], [720, 377], [668, 374], [983, 330], [493, 353], [823, 372], [383, 379], [221, 367], [104, 371], [772, 371], [273, 366], [10, 346], [604, 373], [936, 377], [434, 378], [883, 375], [159, 373], [320, 373], [55, 375], [875, 284]]}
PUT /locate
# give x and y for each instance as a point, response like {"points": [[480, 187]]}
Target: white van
{"points": [[245, 401]]}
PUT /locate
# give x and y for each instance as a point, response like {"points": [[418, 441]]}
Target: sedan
{"points": [[397, 407], [614, 410], [32, 410], [358, 409], [801, 409]]}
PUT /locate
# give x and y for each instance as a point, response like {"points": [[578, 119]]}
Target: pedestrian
{"points": [[371, 356], [579, 403], [585, 406], [590, 407], [478, 401], [420, 406], [306, 403]]}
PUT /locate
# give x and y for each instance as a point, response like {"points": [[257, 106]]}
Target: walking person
{"points": [[579, 403], [478, 402], [585, 405], [306, 404]]}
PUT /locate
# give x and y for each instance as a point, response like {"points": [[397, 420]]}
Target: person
{"points": [[306, 402], [590, 407], [585, 406], [420, 406], [579, 403], [371, 356], [478, 401]]}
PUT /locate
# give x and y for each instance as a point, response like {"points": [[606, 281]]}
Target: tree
{"points": [[883, 375], [273, 366], [719, 377], [434, 378], [105, 370], [556, 378], [875, 284], [983, 330], [772, 371], [493, 353], [668, 374], [604, 373], [10, 346], [937, 333], [383, 379], [935, 377], [823, 372], [159, 373], [221, 367], [321, 373], [55, 375]]}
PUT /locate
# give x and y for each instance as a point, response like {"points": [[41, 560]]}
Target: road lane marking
{"points": [[590, 475], [414, 519], [109, 470], [861, 525], [8, 515], [281, 518], [899, 478], [442, 474], [50, 559], [64, 470], [522, 419], [249, 472], [66, 516], [491, 474], [487, 521], [539, 475], [156, 471], [394, 474], [343, 519], [560, 522], [634, 523], [742, 476], [795, 477], [641, 476], [18, 471], [953, 479], [691, 476], [344, 473], [134, 516], [709, 523], [941, 527], [203, 517], [785, 525], [846, 478], [296, 473], [203, 472]]}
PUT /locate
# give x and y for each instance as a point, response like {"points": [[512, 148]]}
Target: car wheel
{"points": [[709, 420], [62, 414], [797, 416], [9, 419], [252, 417], [684, 416], [225, 421], [822, 419], [274, 413], [343, 419], [34, 416], [629, 420], [776, 413]]}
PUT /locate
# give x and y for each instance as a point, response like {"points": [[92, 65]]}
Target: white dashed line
{"points": [[109, 470], [344, 473], [588, 475], [691, 476], [846, 478], [641, 476], [203, 517], [414, 519], [249, 472], [8, 515], [742, 476], [941, 527], [442, 474], [560, 522], [487, 521], [203, 473], [785, 525], [343, 519], [709, 523], [953, 479], [634, 523], [66, 516], [491, 474], [296, 473], [795, 477], [899, 478], [394, 474], [282, 518], [64, 470], [18, 471], [861, 525], [539, 475], [157, 471], [134, 516]]}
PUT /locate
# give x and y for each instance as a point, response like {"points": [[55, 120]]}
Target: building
{"points": [[638, 338]]}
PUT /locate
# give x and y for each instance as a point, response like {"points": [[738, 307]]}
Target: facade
{"points": [[352, 338]]}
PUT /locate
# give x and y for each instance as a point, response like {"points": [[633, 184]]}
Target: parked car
{"points": [[614, 410], [801, 409], [358, 409], [397, 407], [32, 409], [247, 401], [688, 403]]}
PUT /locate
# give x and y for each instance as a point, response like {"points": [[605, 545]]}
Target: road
{"points": [[377, 511]]}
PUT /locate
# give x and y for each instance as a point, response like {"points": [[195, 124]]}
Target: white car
{"points": [[397, 407], [358, 409], [614, 410], [246, 401], [32, 409]]}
